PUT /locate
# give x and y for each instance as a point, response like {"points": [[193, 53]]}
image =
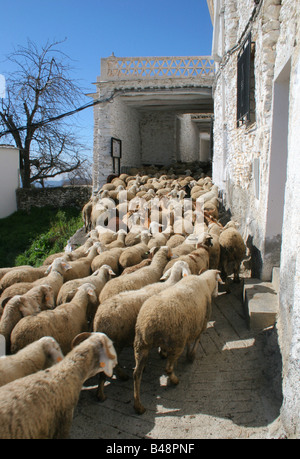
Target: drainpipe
{"points": [[218, 31]]}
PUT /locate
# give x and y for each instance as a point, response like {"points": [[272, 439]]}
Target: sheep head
{"points": [[105, 351], [52, 350]]}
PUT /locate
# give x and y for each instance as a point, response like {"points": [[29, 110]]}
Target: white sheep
{"points": [[119, 242], [138, 279], [37, 299], [22, 274], [135, 254], [110, 258], [171, 320], [63, 323], [98, 279], [233, 251], [82, 266], [117, 315], [41, 405], [55, 278], [39, 355]]}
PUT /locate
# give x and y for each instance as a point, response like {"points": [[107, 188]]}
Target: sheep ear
{"points": [[66, 265], [79, 338], [111, 272], [166, 275], [170, 254], [107, 357], [185, 272], [202, 270], [48, 270], [26, 309]]}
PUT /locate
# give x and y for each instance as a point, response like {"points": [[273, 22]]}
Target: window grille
{"points": [[244, 82]]}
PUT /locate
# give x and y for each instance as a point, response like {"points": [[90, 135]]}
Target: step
{"points": [[260, 301], [276, 278]]}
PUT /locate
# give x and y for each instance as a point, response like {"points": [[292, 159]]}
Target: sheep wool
{"points": [[116, 317], [41, 405], [39, 355], [140, 278], [172, 319], [63, 323]]}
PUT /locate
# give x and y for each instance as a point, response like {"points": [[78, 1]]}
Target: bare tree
{"points": [[38, 92]]}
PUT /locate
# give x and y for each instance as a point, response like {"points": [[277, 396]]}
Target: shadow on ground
{"points": [[231, 390]]}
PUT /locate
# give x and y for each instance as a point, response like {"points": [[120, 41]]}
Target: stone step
{"points": [[276, 278], [260, 301]]}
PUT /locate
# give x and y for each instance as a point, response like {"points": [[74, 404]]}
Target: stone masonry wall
{"points": [[237, 149], [246, 189], [73, 196], [288, 48]]}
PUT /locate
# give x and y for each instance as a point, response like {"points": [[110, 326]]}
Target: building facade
{"points": [[256, 158], [151, 105]]}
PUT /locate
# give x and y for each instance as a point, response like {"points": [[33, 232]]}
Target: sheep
{"points": [[140, 278], [132, 269], [15, 289], [198, 259], [63, 323], [86, 215], [29, 274], [71, 255], [55, 278], [3, 271], [98, 279], [82, 266], [175, 240], [39, 355], [117, 315], [107, 236], [37, 299], [171, 320], [119, 242], [133, 255], [41, 405], [110, 258], [215, 249], [233, 251]]}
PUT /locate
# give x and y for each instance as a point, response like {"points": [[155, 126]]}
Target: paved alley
{"points": [[232, 390]]}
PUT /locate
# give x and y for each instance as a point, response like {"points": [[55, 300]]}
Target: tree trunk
{"points": [[25, 169]]}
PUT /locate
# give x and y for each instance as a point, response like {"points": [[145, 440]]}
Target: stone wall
{"points": [[66, 196], [158, 137], [257, 165], [238, 149]]}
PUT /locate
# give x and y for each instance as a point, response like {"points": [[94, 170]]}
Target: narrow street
{"points": [[232, 390]]}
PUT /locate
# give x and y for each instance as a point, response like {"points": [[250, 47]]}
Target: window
{"points": [[245, 83]]}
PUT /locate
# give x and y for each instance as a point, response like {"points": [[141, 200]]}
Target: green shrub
{"points": [[28, 238]]}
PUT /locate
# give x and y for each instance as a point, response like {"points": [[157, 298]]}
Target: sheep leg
{"points": [[121, 373], [100, 390], [173, 356], [162, 353], [141, 357], [191, 351], [236, 277]]}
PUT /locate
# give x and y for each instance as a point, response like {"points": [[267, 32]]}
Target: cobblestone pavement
{"points": [[231, 390]]}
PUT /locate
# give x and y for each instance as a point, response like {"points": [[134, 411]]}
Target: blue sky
{"points": [[95, 28]]}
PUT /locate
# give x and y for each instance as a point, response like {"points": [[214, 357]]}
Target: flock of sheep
{"points": [[144, 278]]}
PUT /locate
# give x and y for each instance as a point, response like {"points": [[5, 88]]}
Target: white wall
{"points": [[9, 179]]}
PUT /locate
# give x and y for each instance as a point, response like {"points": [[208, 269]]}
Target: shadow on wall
{"points": [[255, 260]]}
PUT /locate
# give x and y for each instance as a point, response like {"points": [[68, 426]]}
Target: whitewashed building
{"points": [[159, 108], [9, 179], [256, 157]]}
